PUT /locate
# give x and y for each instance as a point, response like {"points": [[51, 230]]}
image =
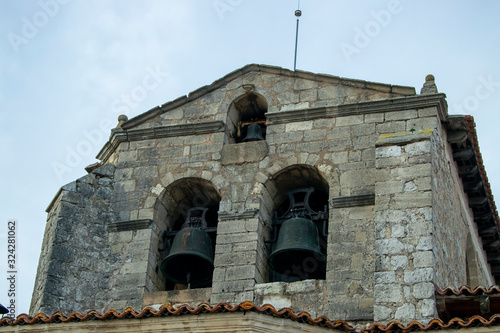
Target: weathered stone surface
{"points": [[244, 153], [376, 155]]}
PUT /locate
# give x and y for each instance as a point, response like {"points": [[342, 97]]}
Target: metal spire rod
{"points": [[298, 13]]}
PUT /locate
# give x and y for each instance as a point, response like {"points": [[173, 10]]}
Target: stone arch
{"points": [[249, 107], [275, 200], [171, 213], [289, 178]]}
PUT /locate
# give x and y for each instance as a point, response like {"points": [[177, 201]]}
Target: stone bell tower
{"points": [[339, 197]]}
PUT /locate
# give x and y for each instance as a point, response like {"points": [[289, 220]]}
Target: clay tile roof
{"points": [[435, 324], [468, 291], [266, 309], [167, 310]]}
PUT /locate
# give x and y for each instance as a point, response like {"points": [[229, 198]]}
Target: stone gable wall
{"points": [[380, 254]]}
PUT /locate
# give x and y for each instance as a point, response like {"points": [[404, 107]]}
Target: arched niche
{"points": [[172, 208], [247, 109], [289, 179]]}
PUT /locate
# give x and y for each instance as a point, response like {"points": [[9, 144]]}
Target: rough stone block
{"points": [[299, 126], [389, 246], [349, 120], [419, 275], [245, 272], [425, 243], [412, 200], [405, 313], [428, 112], [388, 151], [330, 92], [391, 127], [363, 129], [388, 293], [270, 288], [127, 156], [389, 187], [339, 133], [421, 123], [427, 308], [146, 172], [385, 277], [398, 262], [310, 95], [374, 118], [418, 148], [315, 135], [303, 84], [423, 259], [423, 290], [381, 313], [401, 115]]}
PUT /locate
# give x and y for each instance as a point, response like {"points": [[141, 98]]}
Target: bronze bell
{"points": [[254, 133], [298, 250], [190, 260]]}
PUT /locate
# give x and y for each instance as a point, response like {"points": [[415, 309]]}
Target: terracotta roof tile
{"points": [[167, 310], [286, 313], [468, 291], [435, 324]]}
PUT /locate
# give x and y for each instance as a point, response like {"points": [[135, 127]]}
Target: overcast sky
{"points": [[69, 68]]}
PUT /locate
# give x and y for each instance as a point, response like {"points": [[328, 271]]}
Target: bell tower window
{"points": [[246, 120], [188, 209], [297, 245]]}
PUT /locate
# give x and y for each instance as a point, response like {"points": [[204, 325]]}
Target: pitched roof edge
{"points": [[266, 309], [471, 125], [139, 119]]}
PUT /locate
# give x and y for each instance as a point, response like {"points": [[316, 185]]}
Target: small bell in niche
{"points": [[254, 133]]}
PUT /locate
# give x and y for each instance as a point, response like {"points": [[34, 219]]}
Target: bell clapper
{"points": [[188, 279]]}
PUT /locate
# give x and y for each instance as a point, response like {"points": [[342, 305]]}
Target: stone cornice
{"points": [[365, 107], [130, 225], [247, 214], [353, 201], [122, 135]]}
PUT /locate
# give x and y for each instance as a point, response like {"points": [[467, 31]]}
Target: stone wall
{"points": [[76, 262], [404, 270], [365, 147], [453, 223]]}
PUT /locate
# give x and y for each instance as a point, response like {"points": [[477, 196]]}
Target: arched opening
{"points": [[188, 215], [297, 247], [246, 120]]}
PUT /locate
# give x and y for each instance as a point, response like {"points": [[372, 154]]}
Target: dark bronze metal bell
{"points": [[190, 260], [298, 250], [254, 133]]}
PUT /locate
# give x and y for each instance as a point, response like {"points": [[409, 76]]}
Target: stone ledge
{"points": [[248, 214], [402, 138], [245, 152], [121, 135], [130, 225], [361, 108], [178, 297], [359, 200]]}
